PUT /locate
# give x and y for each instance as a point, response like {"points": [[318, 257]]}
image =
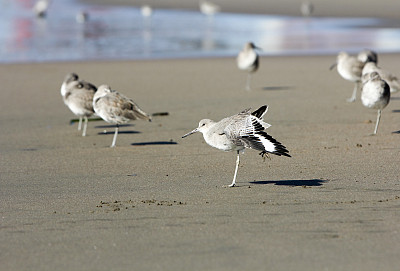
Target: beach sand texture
{"points": [[156, 201]]}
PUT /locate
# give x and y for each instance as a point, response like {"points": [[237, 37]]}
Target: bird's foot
{"points": [[265, 155]]}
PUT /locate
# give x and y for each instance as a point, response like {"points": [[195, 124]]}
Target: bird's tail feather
{"points": [[259, 113]]}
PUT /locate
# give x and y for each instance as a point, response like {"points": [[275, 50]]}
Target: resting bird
{"points": [[40, 8], [113, 107], [350, 68], [391, 79], [306, 9], [208, 8], [78, 96], [375, 94], [366, 56]]}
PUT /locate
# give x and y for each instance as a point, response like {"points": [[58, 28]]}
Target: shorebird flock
{"points": [[376, 84], [236, 133], [85, 100], [245, 130]]}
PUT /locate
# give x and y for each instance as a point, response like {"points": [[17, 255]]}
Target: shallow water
{"points": [[122, 33]]}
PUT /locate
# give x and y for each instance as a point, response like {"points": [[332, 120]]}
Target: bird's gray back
{"points": [[238, 125]]}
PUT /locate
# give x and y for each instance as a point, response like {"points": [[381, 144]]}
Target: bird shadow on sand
{"points": [[113, 126], [119, 132], [313, 182], [154, 143], [273, 88], [72, 121]]}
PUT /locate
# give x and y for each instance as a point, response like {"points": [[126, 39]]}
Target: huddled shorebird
{"points": [[367, 55], [113, 107], [241, 131], [208, 8], [78, 96], [375, 94], [391, 79], [248, 60], [350, 68], [40, 8], [146, 11], [306, 8], [82, 17]]}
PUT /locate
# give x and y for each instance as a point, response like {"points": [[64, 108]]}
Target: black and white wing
{"points": [[248, 130]]}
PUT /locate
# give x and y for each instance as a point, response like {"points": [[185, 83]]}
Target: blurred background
{"points": [[72, 30]]}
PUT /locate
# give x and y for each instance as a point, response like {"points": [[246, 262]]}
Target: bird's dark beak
{"points": [[192, 132], [332, 66]]}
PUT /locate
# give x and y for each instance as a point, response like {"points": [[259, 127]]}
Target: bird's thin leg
{"points": [[377, 121], [354, 95], [248, 82], [85, 126], [236, 170], [115, 136], [80, 124]]}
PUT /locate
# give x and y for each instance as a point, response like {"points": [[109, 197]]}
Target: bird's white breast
{"points": [[246, 59], [373, 95]]}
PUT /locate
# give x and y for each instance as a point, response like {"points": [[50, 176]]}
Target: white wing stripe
{"points": [[268, 145]]}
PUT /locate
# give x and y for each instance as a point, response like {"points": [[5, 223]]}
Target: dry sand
{"points": [[338, 8], [73, 203]]}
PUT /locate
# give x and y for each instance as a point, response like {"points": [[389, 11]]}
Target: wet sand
{"points": [[157, 202], [338, 8]]}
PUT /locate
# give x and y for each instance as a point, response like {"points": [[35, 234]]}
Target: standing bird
{"points": [[113, 107], [391, 79], [350, 67], [78, 96], [248, 60], [40, 8], [366, 56], [146, 11], [375, 94], [208, 8], [306, 9], [82, 17], [240, 131]]}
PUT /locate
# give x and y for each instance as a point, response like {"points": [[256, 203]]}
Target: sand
{"points": [[337, 8], [157, 202]]}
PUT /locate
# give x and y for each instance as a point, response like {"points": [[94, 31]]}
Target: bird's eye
{"points": [[203, 124]]}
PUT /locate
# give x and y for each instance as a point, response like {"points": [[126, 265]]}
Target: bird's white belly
{"points": [[63, 89], [373, 102], [110, 115], [346, 74], [373, 97], [78, 110], [221, 142], [246, 61]]}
